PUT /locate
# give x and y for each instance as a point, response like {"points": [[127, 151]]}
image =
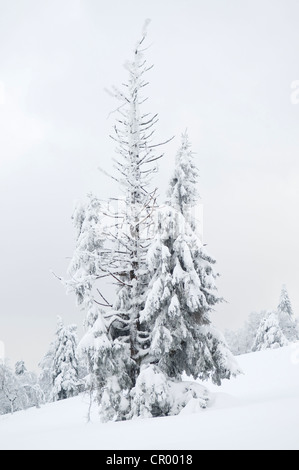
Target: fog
{"points": [[222, 69]]}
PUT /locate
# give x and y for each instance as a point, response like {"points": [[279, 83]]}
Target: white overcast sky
{"points": [[223, 69]]}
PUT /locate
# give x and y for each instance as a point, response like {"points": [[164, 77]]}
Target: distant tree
{"points": [[284, 305], [9, 390], [287, 320], [20, 368], [45, 379], [241, 340], [269, 334], [65, 362], [29, 387]]}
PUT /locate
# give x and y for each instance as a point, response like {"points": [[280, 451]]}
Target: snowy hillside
{"points": [[258, 410]]}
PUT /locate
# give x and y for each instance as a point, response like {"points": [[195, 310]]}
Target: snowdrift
{"points": [[256, 410]]}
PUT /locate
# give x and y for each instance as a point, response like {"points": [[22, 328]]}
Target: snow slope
{"points": [[258, 410]]}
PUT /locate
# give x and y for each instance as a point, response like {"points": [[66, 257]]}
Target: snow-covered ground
{"points": [[258, 410]]}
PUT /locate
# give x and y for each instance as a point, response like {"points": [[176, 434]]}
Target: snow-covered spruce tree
{"points": [[182, 294], [269, 334], [287, 320], [117, 344], [115, 360], [65, 362], [133, 134]]}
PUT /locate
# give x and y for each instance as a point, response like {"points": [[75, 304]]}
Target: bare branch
{"points": [[107, 174], [102, 305], [154, 159], [60, 278], [105, 300], [120, 281], [162, 143]]}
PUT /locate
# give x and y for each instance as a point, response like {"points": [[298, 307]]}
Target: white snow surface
{"points": [[256, 410]]}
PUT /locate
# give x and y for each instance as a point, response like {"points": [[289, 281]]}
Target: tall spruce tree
{"points": [[115, 342], [133, 135], [182, 291], [132, 231]]}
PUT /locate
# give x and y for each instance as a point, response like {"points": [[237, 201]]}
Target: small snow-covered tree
{"points": [[269, 334], [65, 362], [287, 320], [182, 294]]}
